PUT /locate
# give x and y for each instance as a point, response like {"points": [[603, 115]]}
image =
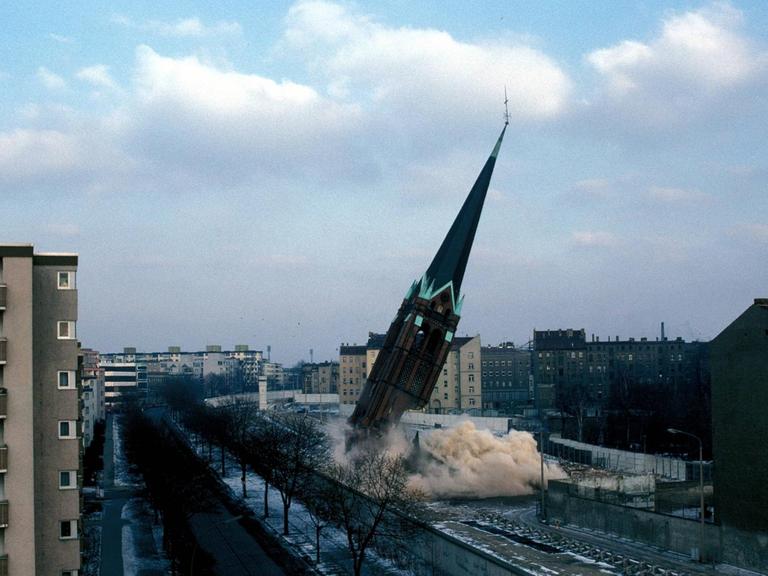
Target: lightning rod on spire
{"points": [[506, 107]]}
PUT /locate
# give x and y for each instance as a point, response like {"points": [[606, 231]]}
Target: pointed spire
{"points": [[451, 259]]}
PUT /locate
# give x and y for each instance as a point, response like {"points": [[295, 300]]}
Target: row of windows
{"points": [[65, 330], [490, 363]]}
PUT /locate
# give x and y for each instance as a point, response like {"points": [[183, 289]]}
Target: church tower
{"points": [[419, 339]]}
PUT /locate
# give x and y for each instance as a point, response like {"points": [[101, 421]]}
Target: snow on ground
{"points": [[335, 557], [124, 477], [142, 549], [91, 565]]}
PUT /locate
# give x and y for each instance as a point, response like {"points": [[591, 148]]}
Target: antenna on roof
{"points": [[506, 107]]}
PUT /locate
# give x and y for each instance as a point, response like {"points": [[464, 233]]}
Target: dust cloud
{"points": [[470, 463]]}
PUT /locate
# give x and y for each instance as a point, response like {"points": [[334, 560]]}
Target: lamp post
{"points": [[701, 486]]}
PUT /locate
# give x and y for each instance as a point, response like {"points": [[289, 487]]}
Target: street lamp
{"points": [[701, 485]]}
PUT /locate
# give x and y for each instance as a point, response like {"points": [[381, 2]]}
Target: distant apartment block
{"points": [[460, 386], [458, 389], [124, 380], [221, 371], [355, 365], [564, 358], [352, 372], [320, 378], [92, 401], [507, 379], [39, 413]]}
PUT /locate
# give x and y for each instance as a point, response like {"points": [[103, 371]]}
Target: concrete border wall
{"points": [[667, 532], [625, 461], [440, 553]]}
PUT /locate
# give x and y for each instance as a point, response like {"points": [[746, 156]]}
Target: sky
{"points": [[279, 173]]}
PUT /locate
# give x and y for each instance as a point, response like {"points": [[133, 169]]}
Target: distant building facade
{"points": [[507, 379], [320, 378], [40, 444], [352, 372], [355, 365], [222, 371], [92, 401], [459, 388], [564, 358]]}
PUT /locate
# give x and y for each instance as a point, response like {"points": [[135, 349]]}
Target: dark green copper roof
{"points": [[451, 259]]}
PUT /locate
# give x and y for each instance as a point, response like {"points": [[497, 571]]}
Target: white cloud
{"points": [[216, 122], [32, 153], [98, 75], [669, 195], [61, 39], [191, 27], [697, 58], [192, 83], [594, 238], [64, 230], [425, 71], [757, 232], [49, 79], [704, 47]]}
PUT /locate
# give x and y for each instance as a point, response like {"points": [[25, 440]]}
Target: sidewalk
{"points": [[131, 544]]}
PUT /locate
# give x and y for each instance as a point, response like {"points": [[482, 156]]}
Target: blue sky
{"points": [[279, 174]]}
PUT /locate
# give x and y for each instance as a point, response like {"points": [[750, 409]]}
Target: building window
{"points": [[471, 401], [67, 429], [67, 479], [66, 280], [66, 379], [69, 573], [66, 330], [68, 529]]}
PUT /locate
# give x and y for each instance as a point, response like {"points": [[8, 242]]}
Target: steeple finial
{"points": [[506, 107]]}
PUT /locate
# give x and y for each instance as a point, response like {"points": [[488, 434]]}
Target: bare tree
{"points": [[575, 399], [264, 452], [317, 498], [364, 493], [238, 420], [303, 450]]}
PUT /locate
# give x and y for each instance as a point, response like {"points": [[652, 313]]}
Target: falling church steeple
{"points": [[419, 339]]}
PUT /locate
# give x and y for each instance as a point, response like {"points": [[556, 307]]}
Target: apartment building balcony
{"points": [[3, 513], [4, 565], [3, 403], [3, 459], [3, 292], [3, 346]]}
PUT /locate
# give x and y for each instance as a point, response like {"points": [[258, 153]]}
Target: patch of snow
{"points": [[139, 540], [124, 477]]}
